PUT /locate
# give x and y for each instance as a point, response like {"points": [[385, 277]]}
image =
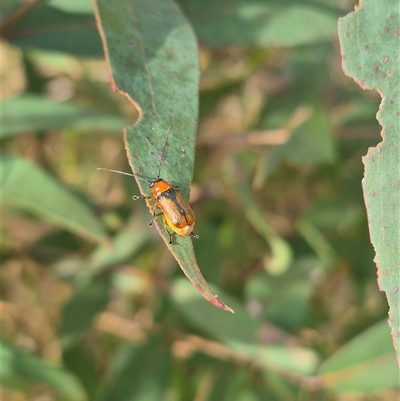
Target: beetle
{"points": [[177, 214]]}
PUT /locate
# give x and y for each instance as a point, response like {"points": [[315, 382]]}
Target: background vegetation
{"points": [[94, 307]]}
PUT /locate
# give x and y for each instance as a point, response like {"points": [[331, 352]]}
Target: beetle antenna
{"points": [[124, 173], [137, 176], [163, 150]]}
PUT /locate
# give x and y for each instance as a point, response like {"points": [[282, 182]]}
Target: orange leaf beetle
{"points": [[177, 214]]}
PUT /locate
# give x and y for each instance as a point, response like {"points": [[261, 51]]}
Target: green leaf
{"points": [[30, 113], [86, 302], [9, 7], [48, 28], [74, 6], [281, 253], [300, 148], [28, 187], [288, 297], [125, 244], [119, 249], [153, 59], [367, 363], [80, 360], [240, 332], [20, 368], [370, 42], [226, 382], [143, 373], [260, 23]]}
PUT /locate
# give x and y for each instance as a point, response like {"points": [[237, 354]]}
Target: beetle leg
{"points": [[166, 229], [195, 235], [153, 216], [136, 197], [170, 235]]}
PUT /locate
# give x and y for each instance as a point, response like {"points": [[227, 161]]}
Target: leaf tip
{"points": [[219, 304]]}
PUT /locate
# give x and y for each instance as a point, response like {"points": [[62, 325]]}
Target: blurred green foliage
{"points": [[93, 304]]}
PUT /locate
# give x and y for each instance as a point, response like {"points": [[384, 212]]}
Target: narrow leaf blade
{"points": [[260, 23], [353, 369], [153, 60], [31, 113], [370, 42], [51, 29], [28, 187], [19, 367]]}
